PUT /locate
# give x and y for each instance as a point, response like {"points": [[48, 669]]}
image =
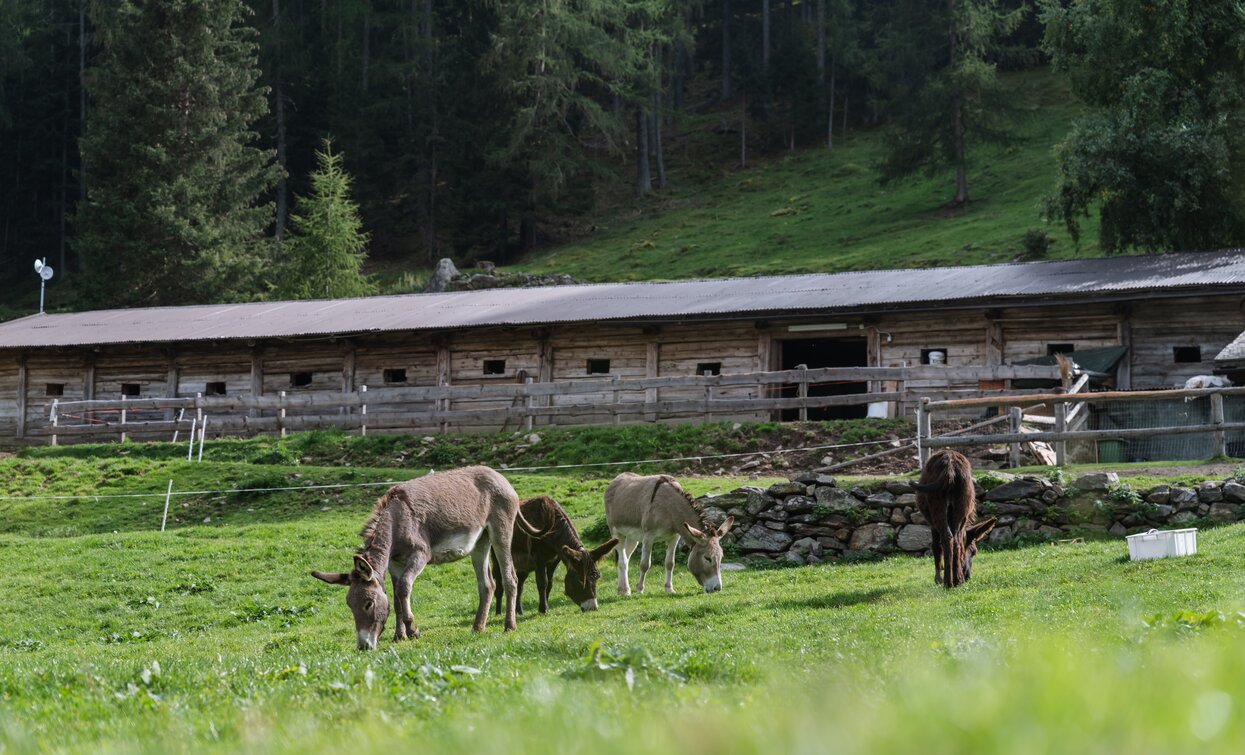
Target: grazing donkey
{"points": [[640, 510], [946, 498], [431, 520], [558, 541]]}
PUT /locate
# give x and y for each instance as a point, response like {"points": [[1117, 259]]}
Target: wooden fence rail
{"points": [[592, 401], [1063, 431]]}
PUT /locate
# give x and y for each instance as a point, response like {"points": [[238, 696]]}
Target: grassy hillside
{"points": [[822, 210], [212, 637]]}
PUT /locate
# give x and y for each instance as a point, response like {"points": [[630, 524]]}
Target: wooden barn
{"points": [[618, 352]]}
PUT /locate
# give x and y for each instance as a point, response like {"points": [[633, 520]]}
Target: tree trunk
{"points": [[81, 99], [657, 150], [676, 78], [643, 178], [726, 49], [279, 113], [821, 66], [764, 36], [367, 46], [957, 120], [743, 133]]}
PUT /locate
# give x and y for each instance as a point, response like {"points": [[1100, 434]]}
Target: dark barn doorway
{"points": [[826, 352]]}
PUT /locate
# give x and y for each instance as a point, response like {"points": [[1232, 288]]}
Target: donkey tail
{"points": [[527, 527]]}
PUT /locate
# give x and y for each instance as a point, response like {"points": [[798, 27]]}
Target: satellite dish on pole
{"points": [[44, 271]]}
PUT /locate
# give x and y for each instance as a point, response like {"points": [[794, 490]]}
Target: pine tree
{"points": [[173, 212], [328, 245], [936, 66]]}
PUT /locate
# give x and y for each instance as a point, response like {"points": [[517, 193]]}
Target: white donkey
{"points": [[640, 510]]}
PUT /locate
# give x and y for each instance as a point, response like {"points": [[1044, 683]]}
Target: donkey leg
{"points": [[672, 548], [625, 546], [520, 578], [646, 560], [402, 582], [484, 582], [500, 535], [542, 587], [935, 547], [495, 570]]}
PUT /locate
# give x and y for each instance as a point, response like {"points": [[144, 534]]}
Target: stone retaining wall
{"points": [[811, 519]]}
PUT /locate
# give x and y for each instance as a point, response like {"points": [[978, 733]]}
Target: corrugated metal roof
{"points": [[1233, 352], [631, 301]]}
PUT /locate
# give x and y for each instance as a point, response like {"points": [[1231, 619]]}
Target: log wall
{"points": [[969, 336]]}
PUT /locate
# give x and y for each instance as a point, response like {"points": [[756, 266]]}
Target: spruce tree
{"points": [[173, 213], [328, 245]]}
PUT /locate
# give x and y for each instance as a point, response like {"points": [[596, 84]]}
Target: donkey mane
{"points": [[562, 523], [705, 525], [369, 530]]}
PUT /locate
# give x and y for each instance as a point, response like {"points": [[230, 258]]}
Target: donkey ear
{"points": [[981, 529], [364, 568], [569, 553], [333, 579], [726, 526], [602, 550], [695, 533]]}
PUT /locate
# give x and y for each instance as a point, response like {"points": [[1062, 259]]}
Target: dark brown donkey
{"points": [[558, 541], [946, 498]]}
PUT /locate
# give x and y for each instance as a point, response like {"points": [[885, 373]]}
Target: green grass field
{"points": [[212, 636], [820, 210]]}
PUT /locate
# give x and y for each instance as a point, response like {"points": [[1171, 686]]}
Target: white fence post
{"points": [[529, 401], [923, 433], [54, 421], [281, 413], [167, 497], [363, 410], [202, 435], [803, 391], [190, 450], [123, 418]]}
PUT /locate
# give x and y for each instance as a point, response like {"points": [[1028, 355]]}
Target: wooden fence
{"points": [[1068, 415], [699, 398]]}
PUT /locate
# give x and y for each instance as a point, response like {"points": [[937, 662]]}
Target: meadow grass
{"points": [[821, 210], [120, 638]]}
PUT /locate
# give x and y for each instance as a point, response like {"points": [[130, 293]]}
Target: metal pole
{"points": [[922, 430], [190, 450], [177, 427], [167, 497], [42, 283], [202, 436]]}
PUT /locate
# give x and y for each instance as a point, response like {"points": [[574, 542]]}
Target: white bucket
{"points": [[1162, 543], [938, 357]]}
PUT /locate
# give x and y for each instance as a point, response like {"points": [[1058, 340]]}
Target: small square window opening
{"points": [[494, 366], [214, 389], [1187, 354], [598, 366], [130, 390], [934, 356], [395, 375], [1059, 348], [56, 389], [711, 368], [300, 379]]}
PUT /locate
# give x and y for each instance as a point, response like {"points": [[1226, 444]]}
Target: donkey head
{"points": [[365, 597], [705, 559], [582, 572], [974, 534]]}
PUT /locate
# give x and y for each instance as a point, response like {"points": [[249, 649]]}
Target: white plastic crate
{"points": [[1162, 543]]}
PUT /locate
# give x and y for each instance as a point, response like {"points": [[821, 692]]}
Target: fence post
{"points": [[1061, 426], [123, 418], [54, 420], [616, 418], [923, 433], [281, 412], [202, 436], [803, 391], [528, 404], [1216, 418], [708, 396], [167, 497], [363, 410], [1013, 426], [190, 450]]}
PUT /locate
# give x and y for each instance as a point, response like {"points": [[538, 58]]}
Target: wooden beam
{"points": [[88, 378], [652, 365], [1124, 371], [22, 378]]}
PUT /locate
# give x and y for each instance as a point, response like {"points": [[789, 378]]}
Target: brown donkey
{"points": [[946, 498], [431, 520], [558, 542]]}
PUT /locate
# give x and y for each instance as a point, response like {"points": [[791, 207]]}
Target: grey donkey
{"points": [[431, 520]]}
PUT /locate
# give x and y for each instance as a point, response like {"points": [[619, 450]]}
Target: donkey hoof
{"points": [[477, 627], [510, 626]]}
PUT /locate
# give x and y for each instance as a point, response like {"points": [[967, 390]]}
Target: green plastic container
{"points": [[1110, 450]]}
